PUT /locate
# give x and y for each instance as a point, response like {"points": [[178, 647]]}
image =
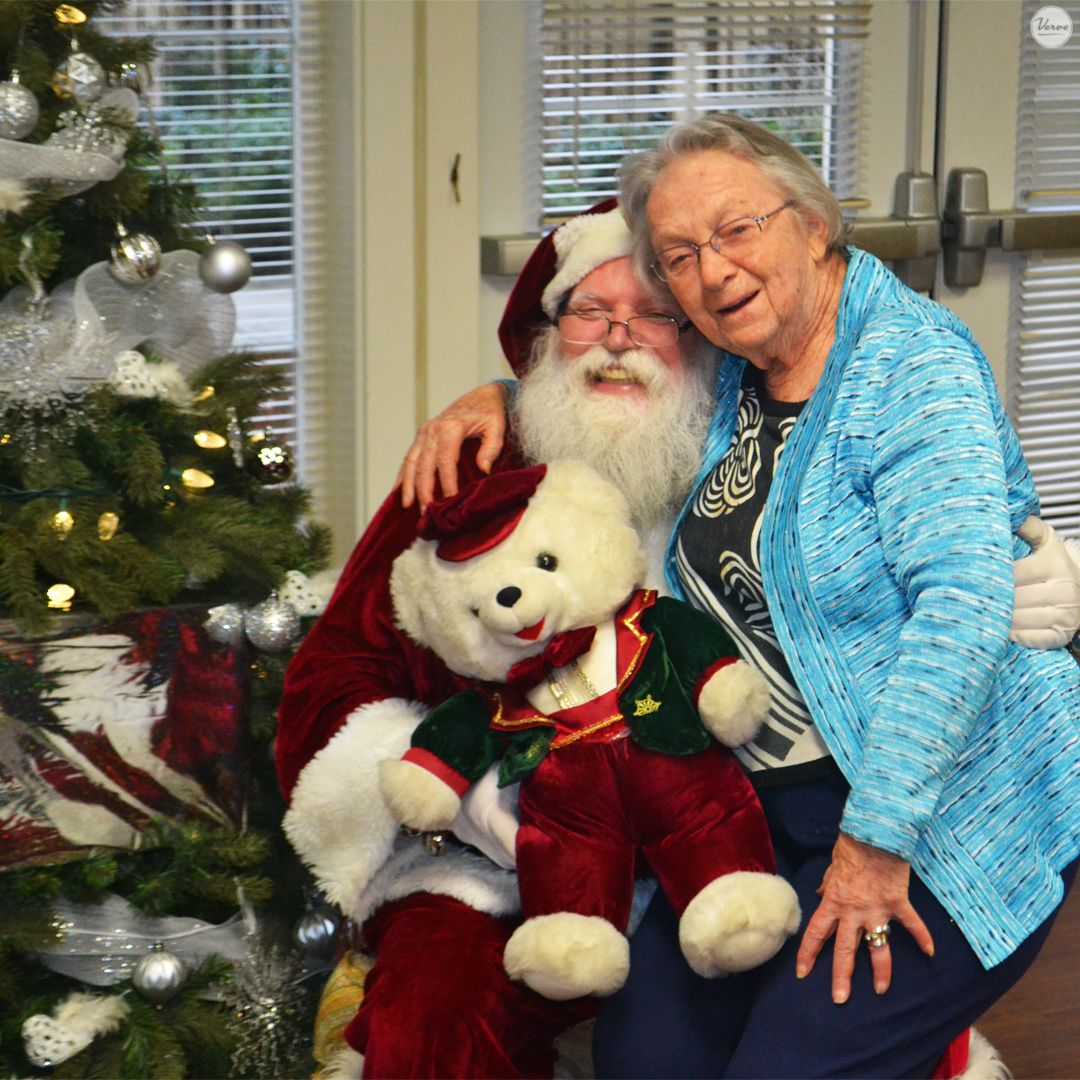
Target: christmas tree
{"points": [[156, 570]]}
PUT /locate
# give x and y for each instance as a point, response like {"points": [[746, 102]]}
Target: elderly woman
{"points": [[853, 525]]}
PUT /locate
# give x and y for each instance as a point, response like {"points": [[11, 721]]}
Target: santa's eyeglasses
{"points": [[593, 326]]}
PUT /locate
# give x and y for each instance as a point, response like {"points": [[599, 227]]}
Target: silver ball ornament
{"points": [[160, 975], [272, 625], [136, 257], [316, 932], [19, 110], [225, 624], [225, 266], [79, 78]]}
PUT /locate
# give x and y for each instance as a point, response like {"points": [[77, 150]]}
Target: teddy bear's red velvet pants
{"points": [[587, 810], [438, 1002]]}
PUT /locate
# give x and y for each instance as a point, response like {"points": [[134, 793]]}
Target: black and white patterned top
{"points": [[719, 566]]}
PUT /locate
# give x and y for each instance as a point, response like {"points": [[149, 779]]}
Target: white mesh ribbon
{"points": [[46, 352], [101, 944], [79, 155], [172, 314]]}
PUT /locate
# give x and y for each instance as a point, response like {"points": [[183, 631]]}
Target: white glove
{"points": [[1046, 603], [488, 819]]}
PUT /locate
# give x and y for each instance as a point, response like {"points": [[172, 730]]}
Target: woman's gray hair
{"points": [[785, 166]]}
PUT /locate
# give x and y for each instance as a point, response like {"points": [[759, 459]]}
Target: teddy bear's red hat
{"points": [[482, 514]]}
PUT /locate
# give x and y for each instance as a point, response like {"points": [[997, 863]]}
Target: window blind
{"points": [[1044, 349], [222, 98], [615, 73]]}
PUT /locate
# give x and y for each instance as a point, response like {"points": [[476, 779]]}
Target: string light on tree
{"points": [[60, 596], [196, 479], [62, 522], [210, 440], [107, 524]]}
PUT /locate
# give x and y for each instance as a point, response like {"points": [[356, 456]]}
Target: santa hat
{"points": [[557, 264], [481, 515]]}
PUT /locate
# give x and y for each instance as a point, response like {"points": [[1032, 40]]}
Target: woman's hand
{"points": [[863, 888], [437, 447]]}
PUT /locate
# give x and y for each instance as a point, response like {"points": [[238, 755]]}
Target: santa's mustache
{"points": [[638, 366]]}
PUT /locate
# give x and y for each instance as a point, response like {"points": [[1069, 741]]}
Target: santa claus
{"points": [[608, 375]]}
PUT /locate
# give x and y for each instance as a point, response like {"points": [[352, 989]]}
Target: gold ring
{"points": [[878, 938]]}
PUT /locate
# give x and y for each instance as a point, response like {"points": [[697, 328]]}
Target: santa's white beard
{"points": [[648, 445]]}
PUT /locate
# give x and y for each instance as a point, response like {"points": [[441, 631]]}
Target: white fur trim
{"points": [[737, 922], [567, 955], [581, 245], [459, 873], [337, 820], [734, 702], [984, 1062], [344, 1064]]}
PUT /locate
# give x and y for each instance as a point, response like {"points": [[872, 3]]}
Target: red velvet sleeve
{"points": [[354, 654]]}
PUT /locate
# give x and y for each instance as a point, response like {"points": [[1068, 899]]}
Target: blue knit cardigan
{"points": [[887, 556]]}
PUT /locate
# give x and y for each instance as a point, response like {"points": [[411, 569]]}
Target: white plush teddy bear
{"points": [[604, 700]]}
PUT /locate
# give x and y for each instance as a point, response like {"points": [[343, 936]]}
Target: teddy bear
{"points": [[614, 708]]}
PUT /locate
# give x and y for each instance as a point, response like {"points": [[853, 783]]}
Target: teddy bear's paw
{"points": [[417, 797], [734, 702], [737, 922], [566, 955]]}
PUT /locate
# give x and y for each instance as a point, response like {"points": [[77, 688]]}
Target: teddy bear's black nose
{"points": [[509, 596]]}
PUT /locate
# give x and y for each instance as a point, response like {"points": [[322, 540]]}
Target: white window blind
{"points": [[616, 73], [222, 97], [1044, 354]]}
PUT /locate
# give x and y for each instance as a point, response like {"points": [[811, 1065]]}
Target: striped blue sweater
{"points": [[887, 560]]}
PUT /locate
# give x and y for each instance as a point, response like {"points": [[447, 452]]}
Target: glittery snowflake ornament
{"points": [[269, 1014]]}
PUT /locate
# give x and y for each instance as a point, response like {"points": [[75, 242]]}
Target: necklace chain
{"points": [[570, 686]]}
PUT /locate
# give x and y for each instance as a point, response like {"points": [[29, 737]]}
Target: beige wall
{"points": [[399, 319]]}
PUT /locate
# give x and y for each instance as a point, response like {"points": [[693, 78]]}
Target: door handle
{"points": [[970, 228], [911, 238]]}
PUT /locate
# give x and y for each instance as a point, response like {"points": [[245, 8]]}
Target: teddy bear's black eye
{"points": [[546, 561]]}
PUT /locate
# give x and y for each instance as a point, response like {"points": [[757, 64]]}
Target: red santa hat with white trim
{"points": [[561, 259]]}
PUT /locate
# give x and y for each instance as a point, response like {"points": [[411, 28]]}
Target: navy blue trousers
{"points": [[669, 1022]]}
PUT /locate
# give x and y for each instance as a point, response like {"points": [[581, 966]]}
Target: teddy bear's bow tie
{"points": [[559, 651]]}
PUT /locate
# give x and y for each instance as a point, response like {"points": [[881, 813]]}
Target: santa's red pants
{"points": [[438, 1002]]}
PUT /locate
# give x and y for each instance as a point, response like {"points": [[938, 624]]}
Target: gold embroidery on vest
{"points": [[646, 706], [572, 737]]}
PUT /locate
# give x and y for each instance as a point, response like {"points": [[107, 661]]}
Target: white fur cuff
{"points": [[338, 822]]}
